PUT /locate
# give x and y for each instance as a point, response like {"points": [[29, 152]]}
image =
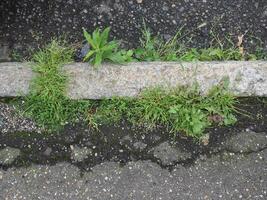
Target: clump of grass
{"points": [[47, 103], [154, 48], [102, 49], [211, 54], [180, 110]]}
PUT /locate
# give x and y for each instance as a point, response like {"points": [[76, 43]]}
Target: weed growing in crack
{"points": [[47, 103], [180, 110]]}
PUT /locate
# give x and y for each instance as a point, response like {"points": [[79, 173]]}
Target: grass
{"points": [[180, 110], [154, 48], [47, 103], [211, 54]]}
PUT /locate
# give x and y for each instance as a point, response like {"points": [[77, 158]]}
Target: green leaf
{"points": [[98, 58], [97, 38], [117, 58], [109, 47], [229, 119], [104, 36], [89, 39], [88, 55]]}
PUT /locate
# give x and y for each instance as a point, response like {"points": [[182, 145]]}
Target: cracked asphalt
{"points": [[123, 164], [225, 176]]}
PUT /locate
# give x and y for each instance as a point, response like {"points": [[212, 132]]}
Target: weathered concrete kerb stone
{"points": [[14, 79], [247, 78]]}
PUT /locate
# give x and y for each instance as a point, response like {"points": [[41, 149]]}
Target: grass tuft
{"points": [[47, 103], [180, 110], [154, 48]]}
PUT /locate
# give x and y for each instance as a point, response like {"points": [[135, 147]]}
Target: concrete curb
{"points": [[247, 78], [15, 79]]}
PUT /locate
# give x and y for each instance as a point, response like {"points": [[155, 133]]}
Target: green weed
{"points": [[154, 48], [258, 54], [16, 56], [101, 49], [180, 110], [47, 103], [211, 54]]}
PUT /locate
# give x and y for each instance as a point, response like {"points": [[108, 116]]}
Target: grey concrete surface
{"points": [[246, 78], [228, 176]]}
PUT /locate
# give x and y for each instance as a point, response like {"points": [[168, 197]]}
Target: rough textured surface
{"points": [[29, 23], [14, 79], [231, 177], [247, 142], [4, 52], [12, 121], [78, 154], [168, 154], [246, 78], [8, 155]]}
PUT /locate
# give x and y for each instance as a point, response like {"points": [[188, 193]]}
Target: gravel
{"points": [[11, 121]]}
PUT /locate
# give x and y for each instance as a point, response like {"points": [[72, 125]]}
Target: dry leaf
{"points": [[241, 50], [215, 118], [240, 40], [205, 139]]}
